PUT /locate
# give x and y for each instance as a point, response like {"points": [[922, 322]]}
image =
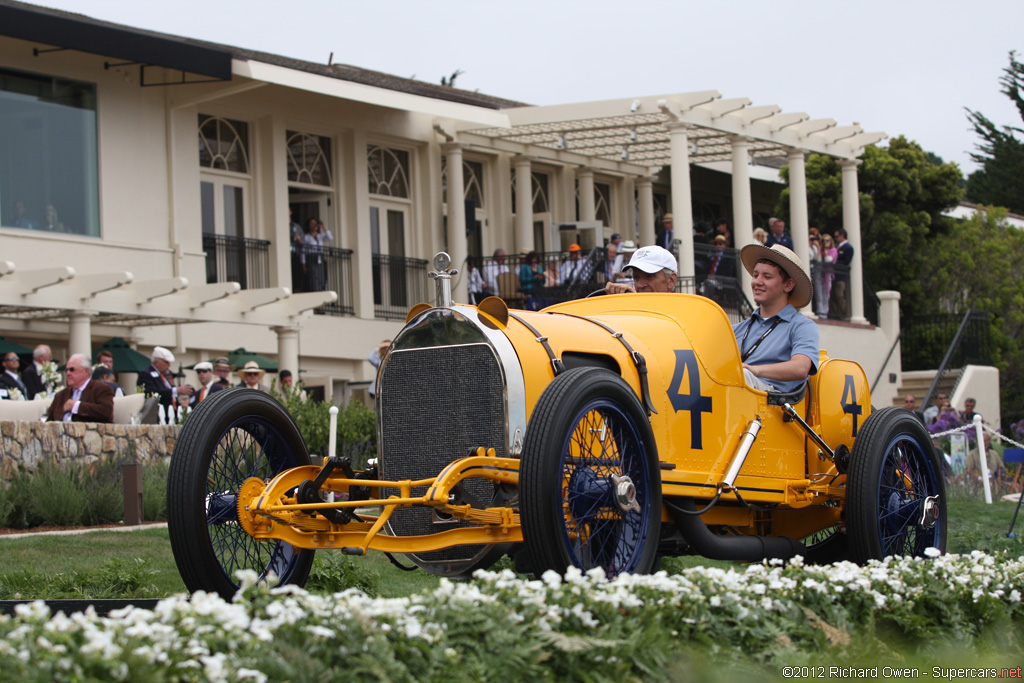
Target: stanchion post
{"points": [[131, 474], [982, 458]]}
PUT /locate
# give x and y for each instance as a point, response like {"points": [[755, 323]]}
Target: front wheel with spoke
{"points": [[589, 485], [232, 436], [896, 494]]}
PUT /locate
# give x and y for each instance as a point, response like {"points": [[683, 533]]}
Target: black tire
{"points": [[894, 477], [570, 513], [231, 436]]}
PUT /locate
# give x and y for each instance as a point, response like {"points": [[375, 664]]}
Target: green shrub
{"points": [[356, 432], [333, 572], [103, 485], [51, 495], [77, 494], [154, 490]]}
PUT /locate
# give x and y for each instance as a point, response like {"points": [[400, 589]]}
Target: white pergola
{"points": [[58, 294], [640, 136]]}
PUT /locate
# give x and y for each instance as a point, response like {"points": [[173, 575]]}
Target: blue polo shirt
{"points": [[795, 333]]}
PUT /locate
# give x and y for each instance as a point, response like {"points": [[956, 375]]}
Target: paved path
{"points": [[83, 530]]}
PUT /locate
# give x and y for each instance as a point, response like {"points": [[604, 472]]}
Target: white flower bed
{"points": [[502, 627]]}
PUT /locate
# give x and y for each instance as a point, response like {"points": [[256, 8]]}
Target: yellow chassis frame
{"points": [[271, 511]]}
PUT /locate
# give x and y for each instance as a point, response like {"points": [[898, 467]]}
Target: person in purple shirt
{"points": [[779, 346]]}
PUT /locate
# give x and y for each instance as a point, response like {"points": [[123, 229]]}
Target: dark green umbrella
{"points": [[240, 357], [7, 347], [126, 359]]}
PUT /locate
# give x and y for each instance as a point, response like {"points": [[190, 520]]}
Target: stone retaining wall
{"points": [[26, 443]]}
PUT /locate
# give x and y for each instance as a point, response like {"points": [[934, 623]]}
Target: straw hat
{"points": [[251, 366], [784, 258]]}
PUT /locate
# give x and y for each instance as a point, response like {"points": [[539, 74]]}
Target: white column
{"points": [[851, 222], [682, 202], [588, 207], [742, 207], [798, 222], [288, 349], [524, 205], [645, 199], [457, 219], [80, 333]]}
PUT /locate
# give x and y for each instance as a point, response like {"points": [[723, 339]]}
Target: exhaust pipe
{"points": [[736, 548]]}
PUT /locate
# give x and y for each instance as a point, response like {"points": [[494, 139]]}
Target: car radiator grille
{"points": [[435, 404]]}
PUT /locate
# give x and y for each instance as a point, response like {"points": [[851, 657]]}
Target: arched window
{"points": [[472, 181], [309, 159], [223, 144], [539, 188], [388, 171], [602, 203]]}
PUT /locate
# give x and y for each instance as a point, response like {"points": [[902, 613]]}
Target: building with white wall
{"points": [[142, 175]]}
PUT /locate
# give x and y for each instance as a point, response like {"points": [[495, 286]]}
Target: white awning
{"points": [[116, 298], [633, 131]]}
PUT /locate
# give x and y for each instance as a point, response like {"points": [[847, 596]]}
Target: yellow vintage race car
{"points": [[603, 432]]}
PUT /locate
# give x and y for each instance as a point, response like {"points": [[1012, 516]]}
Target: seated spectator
{"points": [[82, 400], [222, 369], [287, 385], [492, 270], [251, 374], [105, 357], [992, 459], [104, 374], [931, 413], [910, 403], [11, 386], [208, 383], [968, 415], [157, 380], [32, 375]]}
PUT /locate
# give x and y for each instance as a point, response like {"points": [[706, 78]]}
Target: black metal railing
{"points": [[398, 283], [563, 278], [237, 259], [323, 268], [927, 340]]}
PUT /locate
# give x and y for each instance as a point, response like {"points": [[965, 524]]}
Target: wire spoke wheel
{"points": [[896, 498], [231, 437], [590, 493]]}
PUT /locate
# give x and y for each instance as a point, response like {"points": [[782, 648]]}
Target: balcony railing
{"points": [[237, 259], [316, 269], [565, 280], [398, 284]]}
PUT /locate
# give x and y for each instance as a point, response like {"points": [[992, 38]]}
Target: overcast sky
{"points": [[903, 67]]}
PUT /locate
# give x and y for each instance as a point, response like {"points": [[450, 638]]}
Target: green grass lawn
{"points": [[139, 564]]}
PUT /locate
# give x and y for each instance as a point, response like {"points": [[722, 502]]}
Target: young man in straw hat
{"points": [[778, 345]]}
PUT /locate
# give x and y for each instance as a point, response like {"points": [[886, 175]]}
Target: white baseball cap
{"points": [[652, 259]]}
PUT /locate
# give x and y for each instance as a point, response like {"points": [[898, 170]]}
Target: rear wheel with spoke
{"points": [[896, 495], [232, 436]]}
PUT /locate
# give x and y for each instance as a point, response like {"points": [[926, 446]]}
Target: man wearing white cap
{"points": [[209, 382], [778, 345], [157, 380], [653, 269]]}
